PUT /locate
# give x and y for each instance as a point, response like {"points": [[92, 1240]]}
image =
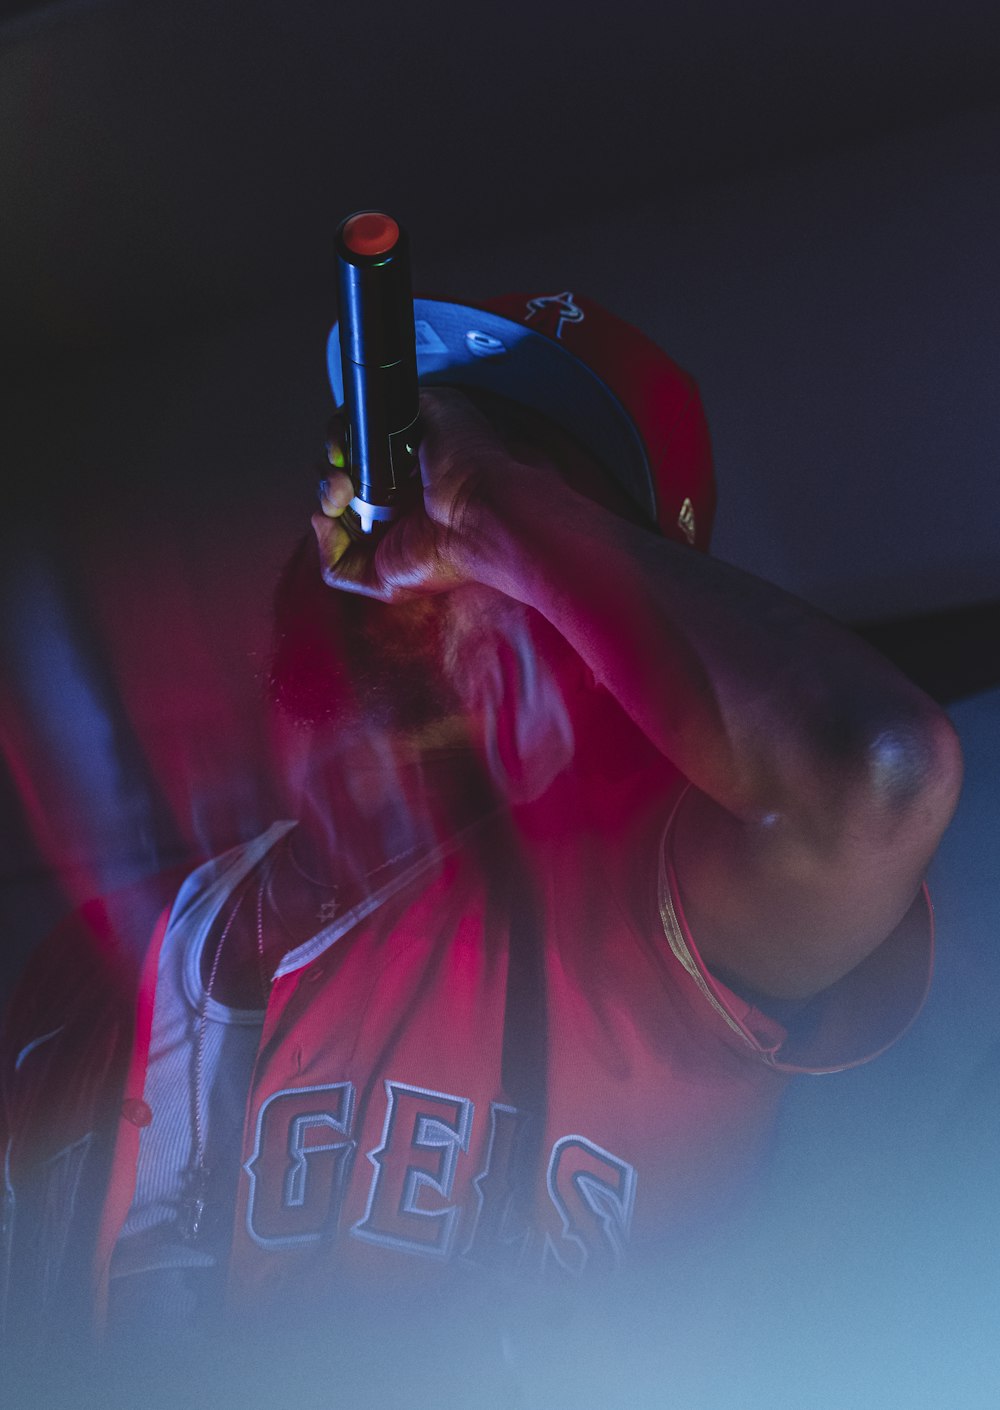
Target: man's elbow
{"points": [[912, 777]]}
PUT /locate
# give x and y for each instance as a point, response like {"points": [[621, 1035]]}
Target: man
{"points": [[596, 840]]}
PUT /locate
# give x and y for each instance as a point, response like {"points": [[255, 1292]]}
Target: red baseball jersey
{"points": [[516, 1064]]}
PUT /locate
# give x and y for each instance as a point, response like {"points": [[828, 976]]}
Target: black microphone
{"points": [[379, 362]]}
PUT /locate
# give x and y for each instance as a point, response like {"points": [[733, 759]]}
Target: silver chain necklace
{"points": [[329, 908], [196, 1204]]}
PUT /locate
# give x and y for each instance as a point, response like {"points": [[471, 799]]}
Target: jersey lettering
{"points": [[594, 1192], [300, 1164], [408, 1204], [304, 1152], [499, 1233]]}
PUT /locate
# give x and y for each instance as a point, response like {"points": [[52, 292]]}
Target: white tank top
{"points": [[184, 1019]]}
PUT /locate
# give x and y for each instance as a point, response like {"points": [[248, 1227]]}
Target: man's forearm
{"points": [[765, 704], [823, 778]]}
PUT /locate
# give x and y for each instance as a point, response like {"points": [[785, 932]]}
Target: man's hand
{"points": [[822, 778], [432, 548]]}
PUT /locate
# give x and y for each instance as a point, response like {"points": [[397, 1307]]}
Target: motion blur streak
{"points": [[64, 742]]}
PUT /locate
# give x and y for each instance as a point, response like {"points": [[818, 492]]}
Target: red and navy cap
{"points": [[591, 373]]}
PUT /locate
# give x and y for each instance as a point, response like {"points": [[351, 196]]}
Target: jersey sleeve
{"points": [[846, 1025]]}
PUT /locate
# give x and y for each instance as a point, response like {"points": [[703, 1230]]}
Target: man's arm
{"points": [[822, 779]]}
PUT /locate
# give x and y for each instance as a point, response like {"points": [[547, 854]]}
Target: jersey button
{"points": [[137, 1111], [313, 975]]}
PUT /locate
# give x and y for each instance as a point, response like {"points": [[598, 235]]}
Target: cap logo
{"points": [[484, 344], [555, 309], [685, 521]]}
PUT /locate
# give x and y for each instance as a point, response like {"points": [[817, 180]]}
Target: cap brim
{"points": [[460, 346]]}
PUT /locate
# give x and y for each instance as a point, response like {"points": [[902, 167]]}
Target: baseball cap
{"points": [[597, 377]]}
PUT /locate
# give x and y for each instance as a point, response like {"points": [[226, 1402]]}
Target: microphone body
{"points": [[379, 362]]}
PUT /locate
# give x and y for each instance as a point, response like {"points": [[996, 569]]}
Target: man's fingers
{"points": [[336, 490], [449, 406], [449, 420], [332, 538], [346, 564], [335, 493], [336, 442]]}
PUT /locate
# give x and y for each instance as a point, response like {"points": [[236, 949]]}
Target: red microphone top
{"points": [[370, 233]]}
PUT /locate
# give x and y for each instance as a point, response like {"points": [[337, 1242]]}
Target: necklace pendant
{"points": [[194, 1211], [327, 912]]}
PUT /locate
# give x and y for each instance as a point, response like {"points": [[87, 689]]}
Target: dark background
{"points": [[798, 201], [165, 165]]}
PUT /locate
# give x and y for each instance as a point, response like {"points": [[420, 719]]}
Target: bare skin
{"points": [[821, 778]]}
